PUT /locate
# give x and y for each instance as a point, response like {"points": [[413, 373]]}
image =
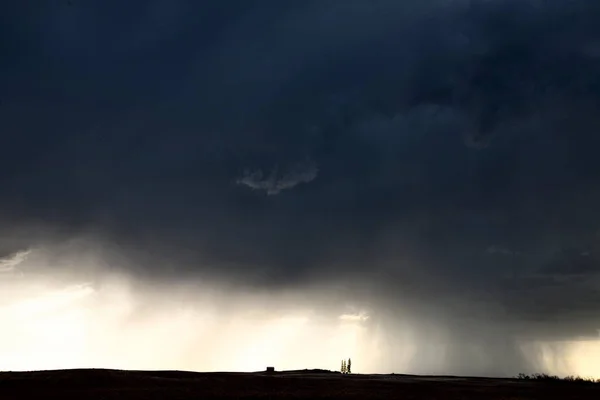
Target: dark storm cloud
{"points": [[435, 131]]}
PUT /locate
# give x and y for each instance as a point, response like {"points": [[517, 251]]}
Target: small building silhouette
{"points": [[270, 369]]}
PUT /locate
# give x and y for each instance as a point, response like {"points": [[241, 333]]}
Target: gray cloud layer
{"points": [[440, 130]]}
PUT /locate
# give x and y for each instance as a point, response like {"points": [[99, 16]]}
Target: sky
{"points": [[230, 185]]}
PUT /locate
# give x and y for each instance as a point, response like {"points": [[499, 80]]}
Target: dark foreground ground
{"points": [[112, 384]]}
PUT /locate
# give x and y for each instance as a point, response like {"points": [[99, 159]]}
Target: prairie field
{"points": [[306, 384]]}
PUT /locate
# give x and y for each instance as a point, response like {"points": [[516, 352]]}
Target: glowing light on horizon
{"points": [[568, 358], [80, 326], [112, 323]]}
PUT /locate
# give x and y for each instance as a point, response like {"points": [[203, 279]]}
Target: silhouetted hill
{"points": [[302, 384]]}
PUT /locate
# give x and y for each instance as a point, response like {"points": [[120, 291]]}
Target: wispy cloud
{"points": [[8, 264], [357, 317], [274, 181]]}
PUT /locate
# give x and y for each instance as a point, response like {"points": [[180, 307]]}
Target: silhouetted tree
{"points": [[343, 366], [348, 368]]}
